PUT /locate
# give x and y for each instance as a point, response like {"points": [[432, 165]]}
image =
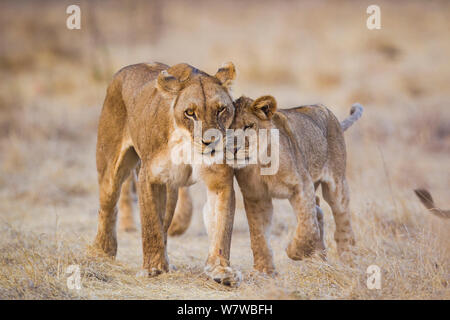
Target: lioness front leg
{"points": [[152, 205], [307, 234], [218, 215], [259, 215]]}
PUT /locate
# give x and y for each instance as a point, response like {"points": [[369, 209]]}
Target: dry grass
{"points": [[53, 85]]}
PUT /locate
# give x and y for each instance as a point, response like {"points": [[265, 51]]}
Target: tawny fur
{"points": [[126, 201], [183, 213], [427, 200], [312, 153], [181, 218], [142, 120], [355, 113]]}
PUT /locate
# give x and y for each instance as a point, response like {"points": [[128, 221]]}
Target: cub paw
{"points": [[300, 249], [346, 248], [347, 254], [224, 275]]}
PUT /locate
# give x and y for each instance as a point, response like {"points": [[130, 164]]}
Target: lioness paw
{"points": [[152, 272], [224, 275]]}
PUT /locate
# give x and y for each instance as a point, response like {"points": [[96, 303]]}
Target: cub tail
{"points": [[355, 113]]}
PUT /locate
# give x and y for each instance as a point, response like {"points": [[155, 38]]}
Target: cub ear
{"points": [[168, 83], [226, 74], [242, 101], [264, 107]]}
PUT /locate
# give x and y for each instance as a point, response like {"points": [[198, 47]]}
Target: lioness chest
{"points": [[169, 164], [165, 171]]}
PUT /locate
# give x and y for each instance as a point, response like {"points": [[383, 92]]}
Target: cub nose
{"points": [[207, 142], [210, 141]]}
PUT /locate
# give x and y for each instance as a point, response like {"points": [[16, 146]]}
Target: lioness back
{"points": [[130, 80]]}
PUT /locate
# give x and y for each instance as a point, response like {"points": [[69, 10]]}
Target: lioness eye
{"points": [[249, 126], [190, 113]]}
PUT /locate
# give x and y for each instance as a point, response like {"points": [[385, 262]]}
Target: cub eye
{"points": [[222, 109], [249, 126], [190, 113]]}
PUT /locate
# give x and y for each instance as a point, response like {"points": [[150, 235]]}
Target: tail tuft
{"points": [[425, 197], [355, 113], [427, 200]]}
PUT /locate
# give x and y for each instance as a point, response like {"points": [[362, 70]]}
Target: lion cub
{"points": [[311, 153]]}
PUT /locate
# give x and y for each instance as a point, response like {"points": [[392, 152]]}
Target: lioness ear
{"points": [[168, 83], [264, 107], [226, 74]]}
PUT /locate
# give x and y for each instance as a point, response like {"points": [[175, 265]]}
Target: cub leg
{"points": [[259, 215], [319, 214], [336, 194], [307, 234]]}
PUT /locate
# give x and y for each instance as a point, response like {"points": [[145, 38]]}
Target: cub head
{"points": [[250, 117], [201, 104]]}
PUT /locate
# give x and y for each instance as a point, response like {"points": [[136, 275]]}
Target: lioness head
{"points": [[199, 101], [250, 116]]}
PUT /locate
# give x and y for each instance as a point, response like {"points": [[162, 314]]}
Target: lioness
{"points": [[311, 153], [149, 110]]}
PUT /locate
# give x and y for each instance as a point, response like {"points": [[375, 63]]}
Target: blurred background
{"points": [[53, 81]]}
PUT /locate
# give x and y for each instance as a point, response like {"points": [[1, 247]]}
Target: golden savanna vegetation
{"points": [[52, 85]]}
